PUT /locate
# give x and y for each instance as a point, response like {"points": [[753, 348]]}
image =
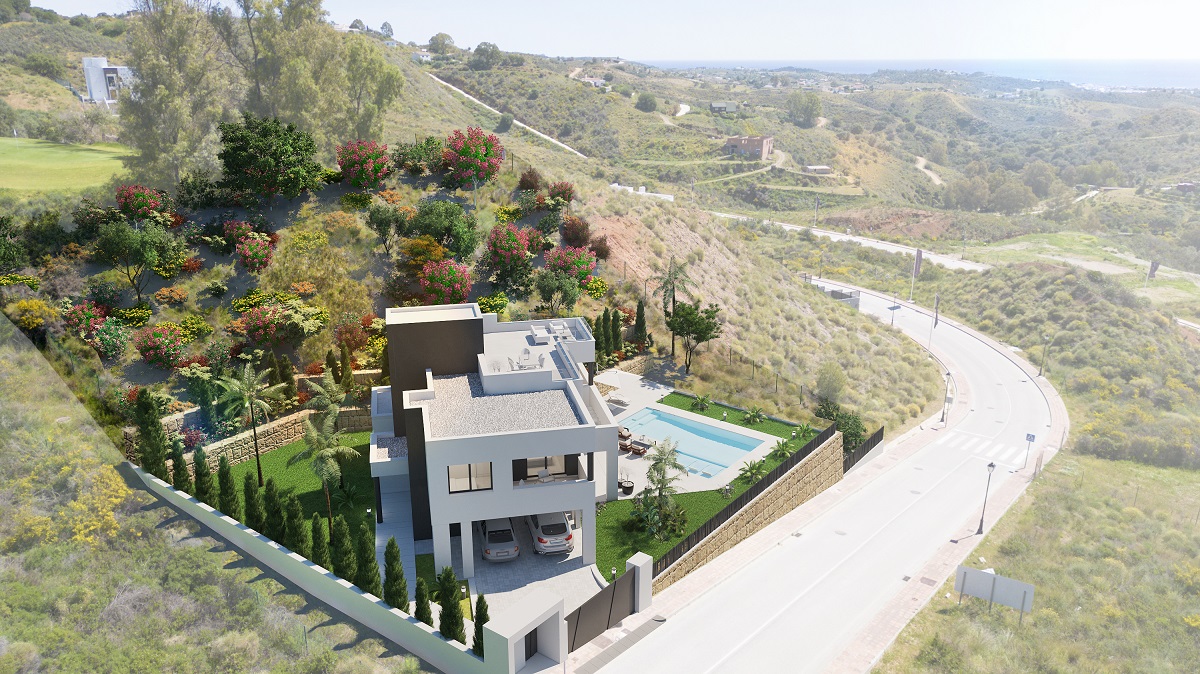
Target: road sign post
{"points": [[1029, 438]]}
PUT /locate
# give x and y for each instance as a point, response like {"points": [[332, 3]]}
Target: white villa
{"points": [[485, 419]]}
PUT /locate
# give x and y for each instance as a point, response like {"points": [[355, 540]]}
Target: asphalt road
{"points": [[948, 261], [800, 605]]}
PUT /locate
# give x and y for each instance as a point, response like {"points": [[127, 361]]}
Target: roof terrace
{"points": [[460, 407]]}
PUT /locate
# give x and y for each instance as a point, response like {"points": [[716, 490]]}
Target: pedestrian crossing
{"points": [[1008, 454]]}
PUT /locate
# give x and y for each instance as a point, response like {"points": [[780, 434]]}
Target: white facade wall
{"points": [[506, 499]]}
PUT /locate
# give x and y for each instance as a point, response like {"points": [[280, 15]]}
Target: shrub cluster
{"points": [[364, 163], [446, 282], [161, 345]]}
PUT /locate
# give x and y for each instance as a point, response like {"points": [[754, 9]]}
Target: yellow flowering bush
{"points": [[31, 314]]}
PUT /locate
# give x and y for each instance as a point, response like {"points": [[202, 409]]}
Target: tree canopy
{"points": [[695, 326], [267, 157], [804, 107], [485, 57], [441, 43]]}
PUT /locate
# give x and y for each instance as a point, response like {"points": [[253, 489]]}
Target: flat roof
{"points": [[390, 447], [432, 314], [460, 407]]}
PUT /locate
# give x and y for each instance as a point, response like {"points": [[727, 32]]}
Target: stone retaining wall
{"points": [[819, 471], [275, 434], [350, 419]]}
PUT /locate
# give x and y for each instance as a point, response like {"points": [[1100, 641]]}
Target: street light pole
{"points": [[895, 307], [946, 401], [990, 467]]}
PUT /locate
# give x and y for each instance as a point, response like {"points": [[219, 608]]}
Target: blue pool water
{"points": [[704, 449]]}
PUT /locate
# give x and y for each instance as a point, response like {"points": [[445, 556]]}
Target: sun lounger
{"points": [[624, 433]]}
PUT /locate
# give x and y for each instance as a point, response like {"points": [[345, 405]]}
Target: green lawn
{"points": [[616, 536], [301, 481], [41, 166]]}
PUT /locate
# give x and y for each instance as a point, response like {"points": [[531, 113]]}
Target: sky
{"points": [[719, 30]]}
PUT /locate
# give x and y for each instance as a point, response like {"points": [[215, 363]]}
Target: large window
{"points": [[470, 477], [554, 465]]}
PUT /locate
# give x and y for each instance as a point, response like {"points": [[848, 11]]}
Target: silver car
{"points": [[551, 533], [499, 541]]}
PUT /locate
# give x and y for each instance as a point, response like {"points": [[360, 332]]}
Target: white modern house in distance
{"points": [[105, 82], [485, 419]]}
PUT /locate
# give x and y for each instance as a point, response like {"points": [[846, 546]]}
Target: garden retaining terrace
{"points": [[271, 435], [817, 472]]}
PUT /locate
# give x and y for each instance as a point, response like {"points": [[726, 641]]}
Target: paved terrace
{"points": [[460, 407]]}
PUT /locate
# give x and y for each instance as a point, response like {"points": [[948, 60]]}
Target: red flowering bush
{"points": [[446, 282], [193, 265], [193, 438], [199, 359], [161, 345], [507, 255], [236, 230], [137, 201], [577, 262], [352, 334], [85, 318], [471, 157], [314, 368], [562, 190], [266, 324], [368, 319], [576, 231], [254, 253], [177, 221], [364, 163]]}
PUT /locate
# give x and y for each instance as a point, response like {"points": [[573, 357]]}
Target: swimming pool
{"points": [[703, 449]]}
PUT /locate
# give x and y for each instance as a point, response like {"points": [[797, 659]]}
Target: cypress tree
{"points": [[384, 376], [450, 620], [600, 335], [423, 612], [331, 366], [227, 500], [271, 363], [179, 468], [320, 543], [295, 536], [152, 438], [481, 617], [367, 579], [205, 490], [639, 324], [617, 339], [252, 503], [395, 585], [346, 370], [273, 518], [341, 550], [287, 376]]}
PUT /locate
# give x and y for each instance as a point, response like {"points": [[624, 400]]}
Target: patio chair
{"points": [[544, 475], [541, 360], [512, 365]]}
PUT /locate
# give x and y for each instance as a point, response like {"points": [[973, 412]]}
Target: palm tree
{"points": [[249, 393], [753, 471], [803, 431], [702, 402], [673, 280], [324, 442], [664, 469], [783, 449], [755, 415], [327, 471], [328, 396]]}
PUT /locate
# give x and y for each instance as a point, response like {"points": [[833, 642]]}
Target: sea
{"points": [[1100, 73]]}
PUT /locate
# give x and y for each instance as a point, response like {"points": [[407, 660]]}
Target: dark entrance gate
{"points": [[608, 607]]}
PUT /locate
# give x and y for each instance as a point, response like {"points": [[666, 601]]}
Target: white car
{"points": [[499, 541], [551, 533]]}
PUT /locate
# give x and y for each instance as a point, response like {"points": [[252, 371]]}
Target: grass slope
{"points": [[1112, 549], [41, 166]]}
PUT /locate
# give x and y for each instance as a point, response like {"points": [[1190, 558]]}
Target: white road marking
{"points": [[970, 443]]}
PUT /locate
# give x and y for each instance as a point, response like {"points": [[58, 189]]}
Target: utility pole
{"points": [[895, 307], [817, 212]]}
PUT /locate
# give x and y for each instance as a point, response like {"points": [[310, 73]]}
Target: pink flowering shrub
{"points": [[577, 262], [137, 201], [236, 230], [562, 190], [446, 282], [254, 253], [193, 438], [266, 324], [161, 345], [507, 255], [85, 318], [364, 163], [471, 157]]}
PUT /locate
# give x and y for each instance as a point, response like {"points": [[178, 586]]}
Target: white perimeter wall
{"points": [[392, 624]]}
